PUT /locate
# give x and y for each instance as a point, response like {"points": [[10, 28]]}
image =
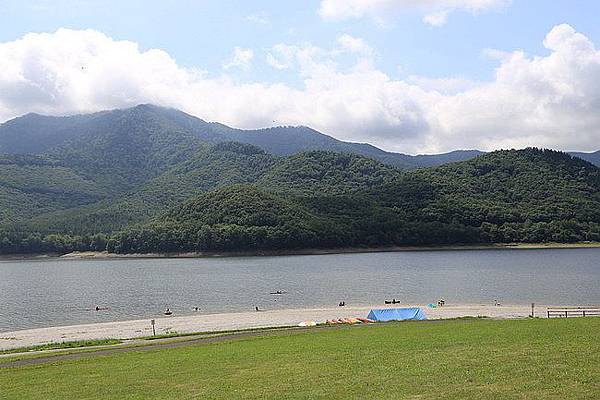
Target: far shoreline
{"points": [[103, 255]]}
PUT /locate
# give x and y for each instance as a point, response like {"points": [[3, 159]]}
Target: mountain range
{"points": [[113, 174]]}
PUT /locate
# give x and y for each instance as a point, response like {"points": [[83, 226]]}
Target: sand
{"points": [[234, 321]]}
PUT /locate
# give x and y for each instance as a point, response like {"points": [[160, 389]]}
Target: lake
{"points": [[53, 292]]}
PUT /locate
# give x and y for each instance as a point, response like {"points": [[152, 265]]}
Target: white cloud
{"points": [[259, 18], [307, 58], [550, 100], [438, 18], [281, 56], [442, 85], [241, 58], [435, 11], [354, 45]]}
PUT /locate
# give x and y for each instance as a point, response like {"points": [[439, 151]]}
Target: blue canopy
{"points": [[397, 314]]}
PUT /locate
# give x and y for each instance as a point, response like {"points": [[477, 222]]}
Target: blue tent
{"points": [[397, 314]]}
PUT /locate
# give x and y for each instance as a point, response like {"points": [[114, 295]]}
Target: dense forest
{"points": [[150, 180], [509, 196]]}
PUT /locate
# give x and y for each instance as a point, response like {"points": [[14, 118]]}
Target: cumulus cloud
{"points": [[443, 85], [438, 18], [551, 100], [259, 18], [241, 58], [355, 45], [435, 11]]}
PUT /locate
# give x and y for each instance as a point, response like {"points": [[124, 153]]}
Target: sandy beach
{"points": [[233, 321], [102, 255]]}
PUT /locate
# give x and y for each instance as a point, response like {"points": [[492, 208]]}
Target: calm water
{"points": [[63, 292]]}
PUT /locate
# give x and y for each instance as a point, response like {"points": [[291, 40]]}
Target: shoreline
{"points": [[207, 323], [100, 255]]}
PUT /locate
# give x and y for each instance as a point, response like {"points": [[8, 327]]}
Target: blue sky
{"points": [[203, 33], [402, 47]]}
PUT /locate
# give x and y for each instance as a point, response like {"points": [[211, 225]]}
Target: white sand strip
{"points": [[232, 321]]}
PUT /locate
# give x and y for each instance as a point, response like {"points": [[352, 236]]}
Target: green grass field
{"points": [[461, 359]]}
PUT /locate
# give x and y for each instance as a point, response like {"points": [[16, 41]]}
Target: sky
{"points": [[412, 76]]}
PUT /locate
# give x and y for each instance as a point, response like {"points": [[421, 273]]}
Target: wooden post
{"points": [[153, 330]]}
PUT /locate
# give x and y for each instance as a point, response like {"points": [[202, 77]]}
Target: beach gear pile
{"points": [[349, 321], [383, 315], [307, 323]]}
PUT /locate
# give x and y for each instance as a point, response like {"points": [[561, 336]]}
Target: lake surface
{"points": [[63, 292]]}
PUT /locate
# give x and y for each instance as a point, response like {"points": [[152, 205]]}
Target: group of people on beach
{"points": [[168, 311]]}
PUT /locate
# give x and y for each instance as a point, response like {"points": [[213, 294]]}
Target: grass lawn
{"points": [[461, 359]]}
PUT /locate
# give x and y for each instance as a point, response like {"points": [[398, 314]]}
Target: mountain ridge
{"points": [[115, 170], [280, 140], [528, 195]]}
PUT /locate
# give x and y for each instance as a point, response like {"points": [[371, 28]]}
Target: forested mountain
{"points": [[31, 185], [326, 173], [97, 165], [594, 157], [211, 166], [507, 196], [37, 134], [89, 181], [220, 165]]}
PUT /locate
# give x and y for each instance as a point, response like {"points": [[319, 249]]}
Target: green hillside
{"points": [[33, 185], [219, 165], [81, 182], [326, 172], [526, 195], [210, 167], [508, 196]]}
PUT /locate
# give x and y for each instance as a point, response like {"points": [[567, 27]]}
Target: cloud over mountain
{"points": [[549, 100]]}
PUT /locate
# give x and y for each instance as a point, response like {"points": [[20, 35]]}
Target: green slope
{"points": [[210, 167], [326, 172], [219, 165], [80, 160], [525, 196], [33, 185], [103, 172], [452, 360]]}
